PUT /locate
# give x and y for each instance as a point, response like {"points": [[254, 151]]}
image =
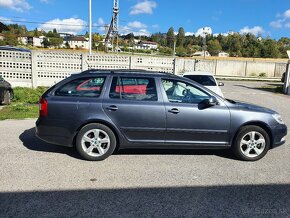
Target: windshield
{"points": [[205, 80]]}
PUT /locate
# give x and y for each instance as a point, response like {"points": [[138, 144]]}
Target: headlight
{"points": [[278, 118]]}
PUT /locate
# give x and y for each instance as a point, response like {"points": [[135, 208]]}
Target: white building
{"points": [[31, 40], [146, 45], [223, 54], [202, 53], [77, 42]]}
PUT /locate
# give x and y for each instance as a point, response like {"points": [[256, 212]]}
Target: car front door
{"points": [[136, 107], [189, 121]]}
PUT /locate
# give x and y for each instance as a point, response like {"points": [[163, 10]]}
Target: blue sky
{"points": [[266, 17]]}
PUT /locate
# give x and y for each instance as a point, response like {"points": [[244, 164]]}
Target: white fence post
{"points": [[34, 69], [286, 87], [85, 62]]}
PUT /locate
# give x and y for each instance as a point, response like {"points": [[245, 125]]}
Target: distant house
{"points": [[31, 40], [202, 53], [146, 45], [2, 37], [64, 35], [76, 42], [223, 54]]}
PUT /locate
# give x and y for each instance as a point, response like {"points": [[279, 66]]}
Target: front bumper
{"points": [[279, 133]]}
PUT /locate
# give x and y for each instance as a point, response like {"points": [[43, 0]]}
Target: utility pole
{"points": [[174, 47], [113, 28], [90, 26], [204, 34]]}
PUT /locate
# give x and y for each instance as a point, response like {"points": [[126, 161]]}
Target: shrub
{"points": [[28, 95], [262, 75]]}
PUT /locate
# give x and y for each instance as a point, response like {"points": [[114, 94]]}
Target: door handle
{"points": [[112, 108], [174, 111]]}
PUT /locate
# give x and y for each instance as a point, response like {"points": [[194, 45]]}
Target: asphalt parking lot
{"points": [[38, 179]]}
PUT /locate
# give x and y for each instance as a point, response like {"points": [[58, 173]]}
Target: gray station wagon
{"points": [[99, 111]]}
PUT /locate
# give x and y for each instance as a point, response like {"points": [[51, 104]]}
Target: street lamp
{"points": [[90, 26]]}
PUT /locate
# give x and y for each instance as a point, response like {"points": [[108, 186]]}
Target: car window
{"points": [[131, 88], [83, 87], [205, 80], [181, 92]]}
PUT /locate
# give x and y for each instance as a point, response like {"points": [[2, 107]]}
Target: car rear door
{"points": [[135, 106]]}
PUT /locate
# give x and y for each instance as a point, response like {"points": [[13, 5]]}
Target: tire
{"points": [[95, 142], [251, 143], [7, 98]]}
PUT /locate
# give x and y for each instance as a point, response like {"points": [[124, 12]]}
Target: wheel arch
{"points": [[99, 121], [255, 123]]}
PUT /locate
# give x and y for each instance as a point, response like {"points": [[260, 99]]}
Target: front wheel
{"points": [[95, 142], [251, 144]]}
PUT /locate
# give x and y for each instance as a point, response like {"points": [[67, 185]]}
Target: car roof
{"points": [[198, 73]]}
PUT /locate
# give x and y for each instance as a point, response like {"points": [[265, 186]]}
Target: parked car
{"points": [[206, 79], [100, 111], [6, 91]]}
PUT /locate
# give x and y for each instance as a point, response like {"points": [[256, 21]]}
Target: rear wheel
{"points": [[252, 143], [95, 142]]}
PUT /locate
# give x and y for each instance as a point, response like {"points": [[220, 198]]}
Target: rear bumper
{"points": [[279, 133], [51, 134]]}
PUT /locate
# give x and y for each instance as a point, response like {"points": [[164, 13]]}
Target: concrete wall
{"points": [[256, 69], [230, 68], [45, 68]]}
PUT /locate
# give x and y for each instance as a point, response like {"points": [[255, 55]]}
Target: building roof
{"points": [[76, 38], [148, 42]]}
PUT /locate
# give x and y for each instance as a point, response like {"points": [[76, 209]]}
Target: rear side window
{"points": [[83, 87], [132, 88]]}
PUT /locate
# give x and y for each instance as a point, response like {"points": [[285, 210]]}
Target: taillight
{"points": [[43, 107]]}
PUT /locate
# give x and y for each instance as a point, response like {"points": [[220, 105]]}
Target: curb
{"points": [[249, 78]]}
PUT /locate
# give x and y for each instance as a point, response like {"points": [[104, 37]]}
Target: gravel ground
{"points": [[42, 180]]}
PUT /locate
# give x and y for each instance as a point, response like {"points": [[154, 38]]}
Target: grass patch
{"points": [[24, 104], [28, 95], [19, 111]]}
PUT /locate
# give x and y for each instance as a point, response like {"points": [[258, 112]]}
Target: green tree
{"points": [[45, 43], [11, 39], [170, 37], [181, 51], [270, 49], [160, 38], [55, 41], [180, 37], [214, 47]]}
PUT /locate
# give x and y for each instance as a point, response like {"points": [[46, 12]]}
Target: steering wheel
{"points": [[187, 96]]}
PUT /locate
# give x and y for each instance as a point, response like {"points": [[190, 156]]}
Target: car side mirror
{"points": [[221, 84], [212, 101]]}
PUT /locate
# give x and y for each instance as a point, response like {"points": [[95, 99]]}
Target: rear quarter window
{"points": [[82, 87]]}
